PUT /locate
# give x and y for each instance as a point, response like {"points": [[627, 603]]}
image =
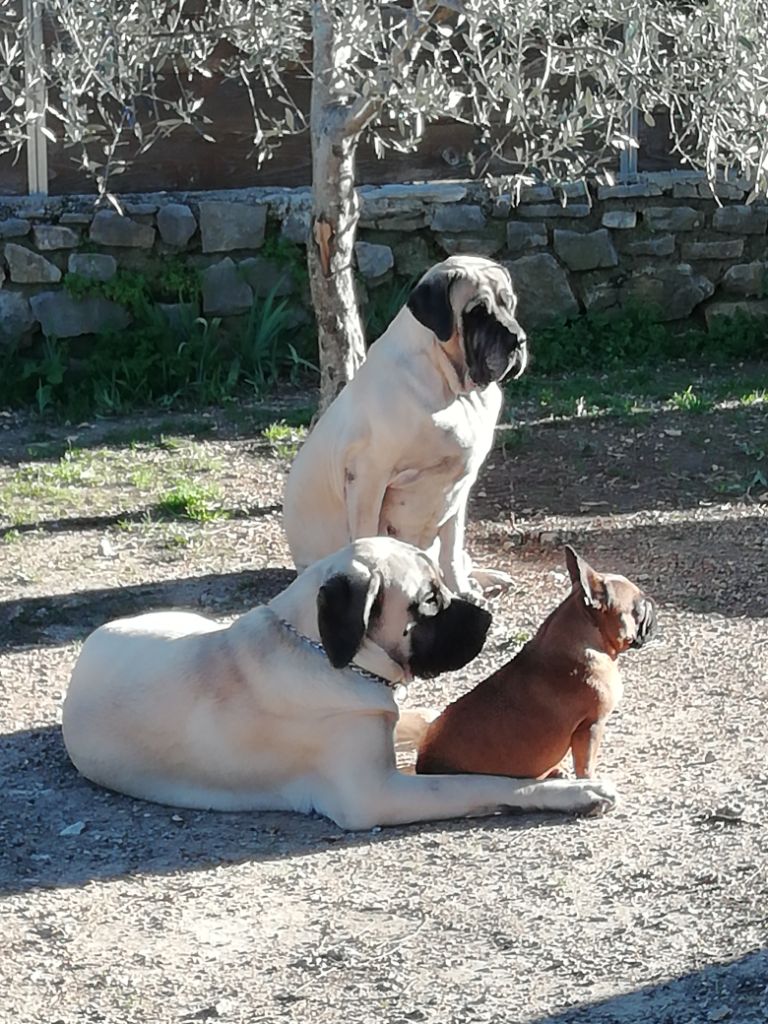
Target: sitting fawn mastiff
{"points": [[398, 450], [555, 695], [291, 707]]}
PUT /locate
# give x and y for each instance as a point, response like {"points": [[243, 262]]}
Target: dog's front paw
{"points": [[491, 581], [597, 797]]}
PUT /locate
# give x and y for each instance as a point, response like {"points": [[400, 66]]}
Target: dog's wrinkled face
{"points": [[469, 301], [624, 614], [393, 596]]}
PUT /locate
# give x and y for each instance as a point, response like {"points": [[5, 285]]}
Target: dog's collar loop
{"points": [[317, 646]]}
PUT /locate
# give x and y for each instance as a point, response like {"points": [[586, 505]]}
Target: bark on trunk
{"points": [[341, 340]]}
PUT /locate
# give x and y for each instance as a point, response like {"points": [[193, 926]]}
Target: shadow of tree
{"points": [[736, 991]]}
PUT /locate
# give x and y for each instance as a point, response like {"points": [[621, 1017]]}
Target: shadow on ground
{"points": [[713, 565], [736, 991], [52, 620], [43, 794], [623, 464]]}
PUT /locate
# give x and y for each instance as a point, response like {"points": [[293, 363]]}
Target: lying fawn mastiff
{"points": [[399, 449], [291, 707]]}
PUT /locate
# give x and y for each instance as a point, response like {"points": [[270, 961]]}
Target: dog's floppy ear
{"points": [[430, 303], [344, 605], [582, 573]]}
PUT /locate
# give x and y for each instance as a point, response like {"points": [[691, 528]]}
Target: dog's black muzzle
{"points": [[448, 640], [645, 616], [493, 348]]}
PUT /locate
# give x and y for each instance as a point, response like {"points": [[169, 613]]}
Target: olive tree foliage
{"points": [[547, 85]]}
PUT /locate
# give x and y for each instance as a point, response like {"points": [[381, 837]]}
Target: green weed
{"points": [[283, 439], [690, 401], [191, 501]]}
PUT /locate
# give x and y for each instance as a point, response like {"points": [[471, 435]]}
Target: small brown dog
{"points": [[556, 694]]}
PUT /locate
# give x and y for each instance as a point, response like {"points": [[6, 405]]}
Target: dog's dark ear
{"points": [[430, 303], [582, 573], [344, 605]]}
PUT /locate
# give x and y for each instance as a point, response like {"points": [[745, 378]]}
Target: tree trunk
{"points": [[335, 211]]}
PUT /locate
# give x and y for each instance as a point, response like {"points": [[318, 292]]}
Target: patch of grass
{"points": [[283, 439], [194, 361], [633, 391], [191, 501], [11, 536], [690, 401]]}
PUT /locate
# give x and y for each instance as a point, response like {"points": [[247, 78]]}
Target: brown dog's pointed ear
{"points": [[344, 605], [430, 303], [582, 573]]}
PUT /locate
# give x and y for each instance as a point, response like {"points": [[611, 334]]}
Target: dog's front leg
{"points": [[585, 746], [453, 559], [403, 799], [364, 492]]}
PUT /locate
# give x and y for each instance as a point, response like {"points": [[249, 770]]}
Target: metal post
{"points": [[34, 80], [628, 156]]}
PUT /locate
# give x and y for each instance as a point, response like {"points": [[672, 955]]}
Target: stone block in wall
{"points": [[746, 279], [585, 251], [14, 227], [139, 209], [109, 228], [15, 316], [63, 316], [727, 249], [48, 237], [411, 256], [470, 245], [600, 295], [227, 226], [522, 236], [673, 291], [73, 217], [383, 201], [723, 189], [537, 194], [97, 266], [296, 226], [225, 292], [265, 276], [620, 220], [719, 310], [685, 190], [412, 223], [176, 224], [27, 267], [537, 211], [456, 218], [373, 261], [672, 218], [660, 245], [542, 289], [638, 190], [741, 220]]}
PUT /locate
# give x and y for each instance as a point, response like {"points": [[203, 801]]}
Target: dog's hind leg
{"points": [[411, 728]]}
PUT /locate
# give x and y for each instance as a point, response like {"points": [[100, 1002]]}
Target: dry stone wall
{"points": [[665, 240]]}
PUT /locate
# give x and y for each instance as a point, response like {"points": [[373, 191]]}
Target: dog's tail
{"points": [[412, 727]]}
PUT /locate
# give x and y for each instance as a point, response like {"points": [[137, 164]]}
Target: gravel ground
{"points": [[118, 911]]}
